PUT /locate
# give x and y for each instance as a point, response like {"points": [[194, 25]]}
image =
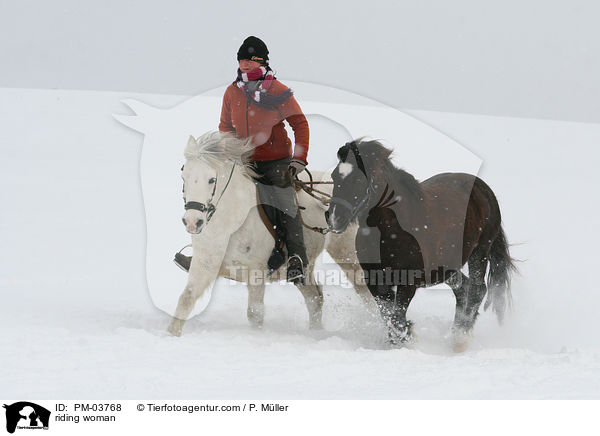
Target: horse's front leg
{"points": [[313, 297], [385, 298], [401, 331], [203, 272], [256, 304]]}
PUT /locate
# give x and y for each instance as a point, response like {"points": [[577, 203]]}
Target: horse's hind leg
{"points": [[460, 286], [477, 266], [256, 304], [313, 297], [459, 283], [469, 294]]}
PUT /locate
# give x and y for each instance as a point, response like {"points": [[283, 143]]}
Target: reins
{"points": [[307, 187], [310, 190]]}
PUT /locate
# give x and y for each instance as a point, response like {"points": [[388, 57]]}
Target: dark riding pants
{"points": [[279, 202]]}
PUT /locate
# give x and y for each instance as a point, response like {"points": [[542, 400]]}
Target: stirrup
{"points": [[296, 275], [182, 261]]}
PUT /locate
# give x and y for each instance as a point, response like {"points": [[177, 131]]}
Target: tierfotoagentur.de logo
{"points": [[26, 415]]}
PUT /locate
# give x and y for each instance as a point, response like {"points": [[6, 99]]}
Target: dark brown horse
{"points": [[414, 235]]}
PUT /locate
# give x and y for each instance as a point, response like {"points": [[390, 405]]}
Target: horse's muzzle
{"points": [[333, 223], [193, 227]]}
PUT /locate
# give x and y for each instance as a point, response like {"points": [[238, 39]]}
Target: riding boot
{"points": [[278, 198], [294, 240], [288, 226], [183, 261], [277, 257]]}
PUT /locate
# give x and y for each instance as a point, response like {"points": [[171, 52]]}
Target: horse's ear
{"points": [[388, 152], [191, 140], [342, 153]]}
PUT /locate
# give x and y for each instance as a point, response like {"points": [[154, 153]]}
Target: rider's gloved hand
{"points": [[296, 166]]}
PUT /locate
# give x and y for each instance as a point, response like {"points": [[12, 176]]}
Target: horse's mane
{"points": [[216, 148], [375, 155]]}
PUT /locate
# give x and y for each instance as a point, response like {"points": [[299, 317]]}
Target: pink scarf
{"points": [[260, 96]]}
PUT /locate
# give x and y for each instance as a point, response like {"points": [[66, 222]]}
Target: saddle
{"points": [[265, 218], [298, 185], [278, 255]]}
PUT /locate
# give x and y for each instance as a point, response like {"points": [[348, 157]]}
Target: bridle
{"points": [[354, 210], [210, 208]]}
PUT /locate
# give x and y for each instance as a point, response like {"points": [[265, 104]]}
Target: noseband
{"points": [[210, 208], [353, 209]]}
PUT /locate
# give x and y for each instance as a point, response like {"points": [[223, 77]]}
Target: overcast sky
{"points": [[519, 58]]}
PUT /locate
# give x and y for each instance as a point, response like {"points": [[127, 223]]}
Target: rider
{"points": [[255, 105]]}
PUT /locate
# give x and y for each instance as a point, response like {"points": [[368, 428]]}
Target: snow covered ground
{"points": [[78, 322]]}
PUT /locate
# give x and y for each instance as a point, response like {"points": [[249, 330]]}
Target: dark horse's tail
{"points": [[498, 280]]}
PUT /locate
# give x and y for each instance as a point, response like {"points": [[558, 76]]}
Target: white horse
{"points": [[231, 241]]}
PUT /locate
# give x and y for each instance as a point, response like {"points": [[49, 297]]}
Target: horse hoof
{"points": [[173, 332], [402, 336], [318, 326], [402, 341], [175, 328], [256, 316], [461, 341], [460, 347], [410, 340]]}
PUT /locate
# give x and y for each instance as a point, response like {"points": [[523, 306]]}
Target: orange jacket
{"points": [[245, 119]]}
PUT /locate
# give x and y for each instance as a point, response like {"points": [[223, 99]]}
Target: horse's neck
{"points": [[241, 190], [407, 207]]}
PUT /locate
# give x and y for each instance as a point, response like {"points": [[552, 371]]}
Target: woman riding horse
{"points": [[255, 106]]}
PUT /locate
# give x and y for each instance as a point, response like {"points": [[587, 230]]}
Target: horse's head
{"points": [[209, 164], [199, 186], [355, 180], [351, 188]]}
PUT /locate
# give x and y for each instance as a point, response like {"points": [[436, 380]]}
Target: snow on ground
{"points": [[77, 320]]}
